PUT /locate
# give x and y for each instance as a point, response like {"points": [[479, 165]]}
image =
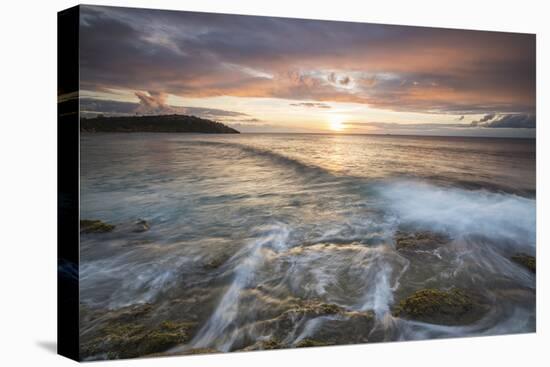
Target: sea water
{"points": [[244, 227]]}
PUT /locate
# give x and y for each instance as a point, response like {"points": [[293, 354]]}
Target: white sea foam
{"points": [[462, 212], [228, 309]]}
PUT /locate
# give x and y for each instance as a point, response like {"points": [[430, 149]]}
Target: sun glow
{"points": [[336, 122]]}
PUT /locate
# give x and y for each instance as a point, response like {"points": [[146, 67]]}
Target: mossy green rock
{"points": [[195, 351], [526, 260], [312, 308], [307, 343], [269, 344], [419, 240], [129, 340], [454, 307], [95, 226], [215, 262]]}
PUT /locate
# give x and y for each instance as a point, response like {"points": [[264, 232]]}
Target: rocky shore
{"points": [[168, 326]]}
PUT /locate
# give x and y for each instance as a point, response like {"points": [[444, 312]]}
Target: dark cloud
{"points": [[344, 80], [481, 121], [390, 67], [310, 105], [252, 120], [460, 118], [107, 107], [513, 121]]}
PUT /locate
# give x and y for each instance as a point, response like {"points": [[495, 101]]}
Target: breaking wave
{"points": [[462, 212]]}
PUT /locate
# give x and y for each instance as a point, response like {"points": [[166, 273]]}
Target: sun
{"points": [[336, 122]]}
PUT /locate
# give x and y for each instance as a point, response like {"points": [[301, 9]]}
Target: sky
{"points": [[266, 74]]}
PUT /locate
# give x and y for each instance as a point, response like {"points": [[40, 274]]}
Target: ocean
{"points": [[253, 237]]}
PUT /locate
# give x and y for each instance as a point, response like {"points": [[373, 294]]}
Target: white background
{"points": [[28, 182]]}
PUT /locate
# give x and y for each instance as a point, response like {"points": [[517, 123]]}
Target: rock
{"points": [[129, 340], [339, 326], [264, 345], [141, 225], [454, 307], [166, 336], [312, 308], [285, 322], [526, 260], [95, 226], [129, 332], [216, 262], [419, 240], [194, 351], [306, 343]]}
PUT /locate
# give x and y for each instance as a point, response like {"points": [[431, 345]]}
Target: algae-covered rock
{"points": [[95, 226], [195, 351], [338, 326], [454, 307], [307, 343], [526, 260], [269, 344], [216, 262], [422, 240], [129, 340], [166, 336], [313, 308]]}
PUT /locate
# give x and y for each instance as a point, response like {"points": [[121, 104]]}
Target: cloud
{"points": [[484, 119], [389, 67], [345, 80], [93, 107], [310, 105], [510, 121], [513, 121], [153, 105], [487, 117], [251, 120], [341, 80]]}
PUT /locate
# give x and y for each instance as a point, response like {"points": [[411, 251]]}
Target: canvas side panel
{"points": [[68, 183]]}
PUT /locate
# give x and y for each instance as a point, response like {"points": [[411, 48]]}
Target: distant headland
{"points": [[156, 124]]}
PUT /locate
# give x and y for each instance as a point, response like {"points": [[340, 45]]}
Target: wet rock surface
{"points": [[330, 324], [526, 260], [95, 226], [420, 240], [453, 307], [294, 312], [140, 225], [131, 332], [195, 351], [308, 343], [216, 262], [269, 344]]}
